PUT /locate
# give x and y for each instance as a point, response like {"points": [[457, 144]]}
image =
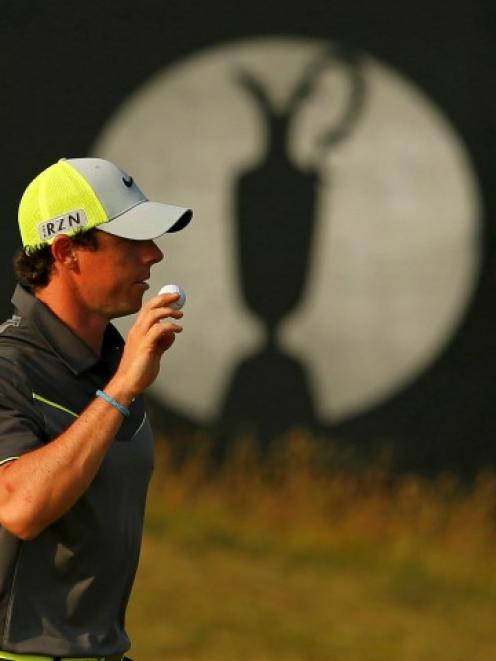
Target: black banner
{"points": [[75, 76]]}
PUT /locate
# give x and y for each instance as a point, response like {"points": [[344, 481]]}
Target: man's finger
{"points": [[160, 301], [161, 336], [163, 329], [151, 317]]}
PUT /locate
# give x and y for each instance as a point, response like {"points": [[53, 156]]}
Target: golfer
{"points": [[75, 444]]}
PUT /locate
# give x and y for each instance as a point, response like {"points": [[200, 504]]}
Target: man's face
{"points": [[112, 278]]}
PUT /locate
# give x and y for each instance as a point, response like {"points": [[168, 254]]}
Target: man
{"points": [[75, 444]]}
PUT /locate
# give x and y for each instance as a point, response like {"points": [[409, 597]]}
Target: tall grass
{"points": [[296, 493], [415, 547]]}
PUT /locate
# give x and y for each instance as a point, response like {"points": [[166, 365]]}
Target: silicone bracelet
{"points": [[110, 400]]}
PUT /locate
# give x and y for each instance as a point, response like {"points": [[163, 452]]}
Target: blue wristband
{"points": [[110, 400]]}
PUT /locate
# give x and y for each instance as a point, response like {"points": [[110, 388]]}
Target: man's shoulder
{"points": [[14, 363], [15, 321], [20, 332], [16, 349]]}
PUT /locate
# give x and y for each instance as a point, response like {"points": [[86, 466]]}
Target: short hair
{"points": [[33, 268]]}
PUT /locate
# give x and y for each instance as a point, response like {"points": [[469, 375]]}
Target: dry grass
{"points": [[292, 556]]}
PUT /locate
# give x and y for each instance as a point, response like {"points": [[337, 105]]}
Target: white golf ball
{"points": [[174, 289]]}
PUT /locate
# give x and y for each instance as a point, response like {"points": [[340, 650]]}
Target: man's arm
{"points": [[40, 486]]}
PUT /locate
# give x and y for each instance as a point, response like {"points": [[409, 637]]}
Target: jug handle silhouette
{"points": [[352, 61], [330, 57]]}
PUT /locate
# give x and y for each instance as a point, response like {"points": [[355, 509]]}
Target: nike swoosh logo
{"points": [[128, 181]]}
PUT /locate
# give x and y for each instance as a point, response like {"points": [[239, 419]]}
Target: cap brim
{"points": [[148, 220]]}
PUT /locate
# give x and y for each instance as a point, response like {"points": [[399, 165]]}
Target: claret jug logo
{"points": [[335, 243]]}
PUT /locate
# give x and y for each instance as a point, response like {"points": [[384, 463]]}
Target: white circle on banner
{"points": [[396, 253]]}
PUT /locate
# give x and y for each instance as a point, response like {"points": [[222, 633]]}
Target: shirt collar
{"points": [[70, 348]]}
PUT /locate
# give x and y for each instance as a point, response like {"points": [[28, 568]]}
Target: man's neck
{"points": [[65, 304]]}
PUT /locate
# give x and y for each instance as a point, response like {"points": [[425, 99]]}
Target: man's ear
{"points": [[64, 253]]}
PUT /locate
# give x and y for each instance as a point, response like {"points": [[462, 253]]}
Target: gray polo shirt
{"points": [[65, 592]]}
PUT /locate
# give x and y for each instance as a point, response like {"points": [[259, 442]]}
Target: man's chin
{"points": [[125, 313], [127, 309]]}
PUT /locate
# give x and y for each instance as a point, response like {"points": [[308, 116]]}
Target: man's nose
{"points": [[152, 253]]}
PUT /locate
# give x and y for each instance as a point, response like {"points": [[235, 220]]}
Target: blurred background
{"points": [[325, 424]]}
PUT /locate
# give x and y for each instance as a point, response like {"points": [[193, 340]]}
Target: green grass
{"points": [[291, 559]]}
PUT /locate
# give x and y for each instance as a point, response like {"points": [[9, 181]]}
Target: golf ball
{"points": [[174, 289]]}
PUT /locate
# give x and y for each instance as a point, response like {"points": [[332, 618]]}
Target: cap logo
{"points": [[70, 221], [128, 181]]}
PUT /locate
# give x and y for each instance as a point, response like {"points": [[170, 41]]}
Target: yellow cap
{"points": [[79, 194]]}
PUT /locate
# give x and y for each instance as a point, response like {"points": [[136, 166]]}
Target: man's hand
{"points": [[147, 340]]}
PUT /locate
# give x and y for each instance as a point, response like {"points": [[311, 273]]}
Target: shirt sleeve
{"points": [[21, 427]]}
